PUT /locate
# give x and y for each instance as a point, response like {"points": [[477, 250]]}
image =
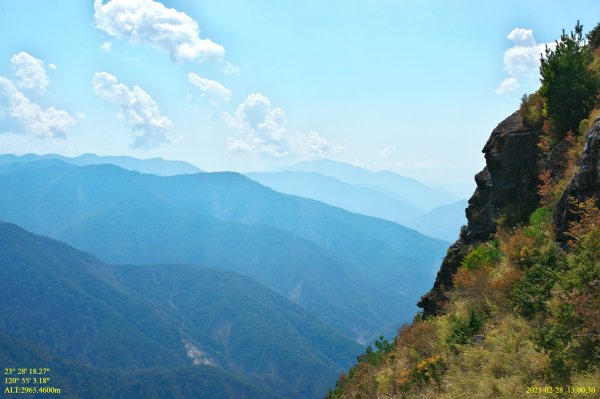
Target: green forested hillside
{"points": [[156, 321], [79, 380]]}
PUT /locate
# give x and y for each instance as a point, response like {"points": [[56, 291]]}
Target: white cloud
{"points": [[508, 85], [215, 90], [265, 132], [150, 22], [231, 70], [386, 152], [29, 72], [17, 112], [311, 145], [106, 46], [522, 60], [137, 107], [522, 37]]}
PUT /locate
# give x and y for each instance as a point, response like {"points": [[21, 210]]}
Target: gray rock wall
{"points": [[507, 185]]}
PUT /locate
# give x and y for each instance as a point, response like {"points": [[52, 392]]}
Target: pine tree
{"points": [[569, 87]]}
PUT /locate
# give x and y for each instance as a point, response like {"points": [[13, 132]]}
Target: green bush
{"points": [[543, 266], [463, 330], [540, 225], [483, 255], [532, 110], [376, 357]]}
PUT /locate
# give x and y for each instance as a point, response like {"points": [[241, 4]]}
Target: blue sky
{"points": [[413, 86]]}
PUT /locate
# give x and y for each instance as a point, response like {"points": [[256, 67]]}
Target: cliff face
{"points": [[507, 185], [585, 184]]}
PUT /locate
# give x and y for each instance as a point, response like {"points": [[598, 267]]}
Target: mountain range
{"points": [[384, 195], [366, 200], [156, 166], [443, 222], [401, 187], [360, 275]]}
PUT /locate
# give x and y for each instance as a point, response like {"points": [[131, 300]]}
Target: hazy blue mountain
{"points": [[155, 166], [401, 187], [360, 274], [156, 321], [367, 200], [443, 222]]}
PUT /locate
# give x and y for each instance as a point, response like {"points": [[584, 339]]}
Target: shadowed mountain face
{"points": [[401, 187], [155, 166], [359, 274], [67, 308]]}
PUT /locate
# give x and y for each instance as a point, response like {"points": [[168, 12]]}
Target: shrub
{"points": [[571, 332], [540, 225], [376, 357], [532, 110], [463, 330], [483, 255], [417, 340], [428, 371], [542, 267], [554, 183]]}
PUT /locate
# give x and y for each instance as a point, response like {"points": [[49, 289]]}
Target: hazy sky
{"points": [[413, 86]]}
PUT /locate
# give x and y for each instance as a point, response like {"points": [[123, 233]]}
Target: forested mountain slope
{"points": [[208, 328]]}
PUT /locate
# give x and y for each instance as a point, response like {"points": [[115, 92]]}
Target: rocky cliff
{"points": [[506, 186], [585, 184]]}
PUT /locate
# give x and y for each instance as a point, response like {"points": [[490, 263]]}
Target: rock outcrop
{"points": [[506, 186], [585, 184]]}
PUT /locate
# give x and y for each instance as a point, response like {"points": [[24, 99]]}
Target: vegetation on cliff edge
{"points": [[524, 313]]}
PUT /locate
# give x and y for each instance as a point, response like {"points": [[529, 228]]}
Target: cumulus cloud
{"points": [[386, 152], [106, 46], [18, 112], [150, 22], [215, 90], [30, 72], [231, 70], [137, 107], [265, 132], [508, 85], [522, 60], [521, 37]]}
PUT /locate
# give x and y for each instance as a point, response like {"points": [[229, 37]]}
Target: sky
{"points": [[411, 86]]}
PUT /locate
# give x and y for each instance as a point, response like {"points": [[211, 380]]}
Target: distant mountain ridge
{"points": [[403, 188], [443, 222], [366, 200], [155, 166], [359, 274], [118, 321]]}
